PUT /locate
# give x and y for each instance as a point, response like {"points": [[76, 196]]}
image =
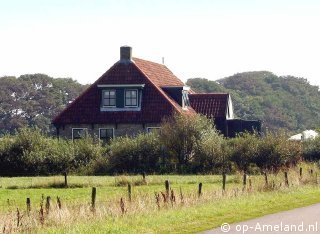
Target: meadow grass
{"points": [[197, 218], [179, 214]]}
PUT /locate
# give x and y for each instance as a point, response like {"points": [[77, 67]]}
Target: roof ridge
{"points": [[160, 74], [133, 58]]}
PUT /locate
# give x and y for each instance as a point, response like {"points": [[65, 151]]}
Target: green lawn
{"points": [[189, 214]]}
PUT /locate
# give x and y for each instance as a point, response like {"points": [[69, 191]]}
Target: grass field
{"points": [[182, 212]]}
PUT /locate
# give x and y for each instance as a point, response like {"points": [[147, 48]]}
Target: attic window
{"points": [[131, 97], [109, 98]]}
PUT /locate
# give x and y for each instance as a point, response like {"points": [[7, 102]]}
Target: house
{"points": [[219, 108], [133, 96]]}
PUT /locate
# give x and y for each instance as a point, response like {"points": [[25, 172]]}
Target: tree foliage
{"points": [[33, 100], [284, 102]]}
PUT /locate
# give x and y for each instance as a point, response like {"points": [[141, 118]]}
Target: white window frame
{"points": [[115, 99], [149, 128], [84, 129], [137, 98], [107, 129]]}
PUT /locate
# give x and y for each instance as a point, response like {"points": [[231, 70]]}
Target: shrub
{"points": [[135, 154], [211, 152], [311, 149], [244, 149], [180, 135], [29, 152], [275, 151]]}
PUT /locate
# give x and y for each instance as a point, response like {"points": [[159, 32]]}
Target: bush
{"points": [[180, 136], [211, 153], [135, 154], [275, 151], [244, 149], [311, 149], [30, 152]]}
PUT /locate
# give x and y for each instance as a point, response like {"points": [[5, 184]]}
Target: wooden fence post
{"points": [[224, 181], [93, 198], [129, 192], [300, 172], [144, 177], [286, 179], [167, 186], [200, 190], [28, 206]]}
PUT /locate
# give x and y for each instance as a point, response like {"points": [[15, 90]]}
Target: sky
{"points": [[211, 39]]}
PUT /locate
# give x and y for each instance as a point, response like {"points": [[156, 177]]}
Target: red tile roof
{"points": [[156, 104], [212, 105], [158, 73]]}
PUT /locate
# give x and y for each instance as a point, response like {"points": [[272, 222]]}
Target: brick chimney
{"points": [[125, 54]]}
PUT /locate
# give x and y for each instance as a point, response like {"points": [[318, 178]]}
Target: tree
{"points": [[33, 100], [244, 149], [180, 135]]}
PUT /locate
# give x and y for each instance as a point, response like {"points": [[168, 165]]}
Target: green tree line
{"points": [[33, 100], [179, 147]]}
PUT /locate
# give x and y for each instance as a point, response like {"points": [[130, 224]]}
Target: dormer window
{"points": [[109, 98], [131, 97], [185, 99]]}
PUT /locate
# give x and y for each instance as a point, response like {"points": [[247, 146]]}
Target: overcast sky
{"points": [[211, 39]]}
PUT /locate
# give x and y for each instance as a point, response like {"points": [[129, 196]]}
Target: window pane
{"points": [[78, 133], [133, 93], [128, 94], [134, 102], [106, 94], [128, 102], [106, 134], [103, 133], [112, 94], [106, 102], [109, 133], [112, 102]]}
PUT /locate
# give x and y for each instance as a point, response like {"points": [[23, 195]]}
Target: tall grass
{"points": [[151, 200]]}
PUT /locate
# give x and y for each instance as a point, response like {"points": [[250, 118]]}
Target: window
{"points": [[131, 97], [185, 99], [153, 129], [106, 134], [109, 98], [78, 133]]}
